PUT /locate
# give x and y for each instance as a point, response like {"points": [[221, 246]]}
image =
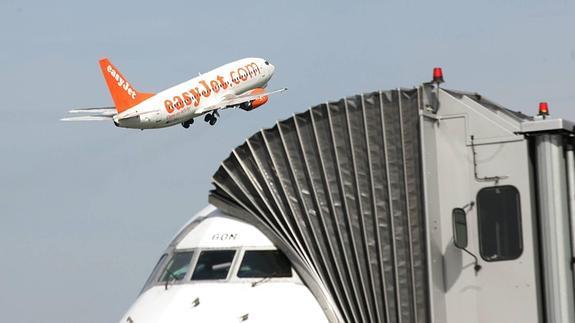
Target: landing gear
{"points": [[187, 124], [211, 118]]}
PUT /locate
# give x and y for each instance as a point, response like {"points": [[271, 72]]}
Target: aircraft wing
{"points": [[238, 99], [131, 114], [248, 97]]}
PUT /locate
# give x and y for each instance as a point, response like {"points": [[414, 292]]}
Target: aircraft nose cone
{"points": [[269, 66]]}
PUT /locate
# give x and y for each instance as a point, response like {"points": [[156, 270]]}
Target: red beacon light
{"points": [[438, 75], [543, 109]]}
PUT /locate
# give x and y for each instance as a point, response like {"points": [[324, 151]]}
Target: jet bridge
{"points": [[415, 205]]}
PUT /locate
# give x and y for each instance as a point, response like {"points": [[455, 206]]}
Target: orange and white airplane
{"points": [[240, 84]]}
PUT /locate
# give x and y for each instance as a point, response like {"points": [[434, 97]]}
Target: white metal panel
{"points": [[223, 232], [435, 263], [547, 124], [509, 289], [460, 286], [219, 303], [570, 156], [553, 205]]}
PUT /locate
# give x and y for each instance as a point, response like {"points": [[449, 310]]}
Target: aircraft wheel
{"points": [[185, 125], [208, 118], [213, 121]]}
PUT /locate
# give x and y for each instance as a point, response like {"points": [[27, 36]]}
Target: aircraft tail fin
{"points": [[123, 92]]}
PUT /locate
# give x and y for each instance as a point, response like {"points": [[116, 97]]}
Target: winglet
{"points": [[123, 93]]}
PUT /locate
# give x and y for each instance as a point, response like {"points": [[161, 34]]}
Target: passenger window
{"points": [[499, 218], [178, 266], [214, 264], [264, 263]]}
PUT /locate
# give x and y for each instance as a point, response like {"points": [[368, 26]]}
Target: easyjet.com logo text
{"points": [[121, 82]]}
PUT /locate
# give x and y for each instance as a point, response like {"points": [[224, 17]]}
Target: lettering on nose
{"points": [[225, 236]]}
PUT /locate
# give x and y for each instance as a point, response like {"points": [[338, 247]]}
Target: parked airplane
{"points": [[240, 84], [219, 269]]}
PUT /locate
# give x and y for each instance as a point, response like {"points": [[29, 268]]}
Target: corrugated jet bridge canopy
{"points": [[338, 189]]}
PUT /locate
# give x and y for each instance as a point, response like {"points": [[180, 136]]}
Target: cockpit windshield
{"points": [[178, 266], [213, 264], [264, 263], [220, 264]]}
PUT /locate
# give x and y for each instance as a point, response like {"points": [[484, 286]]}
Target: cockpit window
{"points": [[178, 266], [155, 272], [213, 264], [264, 263], [267, 63]]}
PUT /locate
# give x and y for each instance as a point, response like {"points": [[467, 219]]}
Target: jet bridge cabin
{"points": [[415, 205]]}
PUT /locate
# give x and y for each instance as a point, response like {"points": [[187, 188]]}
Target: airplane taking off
{"points": [[240, 84]]}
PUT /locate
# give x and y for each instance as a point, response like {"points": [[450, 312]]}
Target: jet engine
{"points": [[250, 105]]}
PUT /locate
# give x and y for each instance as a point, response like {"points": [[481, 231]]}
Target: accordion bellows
{"points": [[338, 188]]}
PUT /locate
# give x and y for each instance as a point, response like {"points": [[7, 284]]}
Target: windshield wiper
{"points": [[265, 279], [170, 275]]}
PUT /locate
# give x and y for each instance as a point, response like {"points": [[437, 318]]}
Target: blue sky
{"points": [[86, 209]]}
